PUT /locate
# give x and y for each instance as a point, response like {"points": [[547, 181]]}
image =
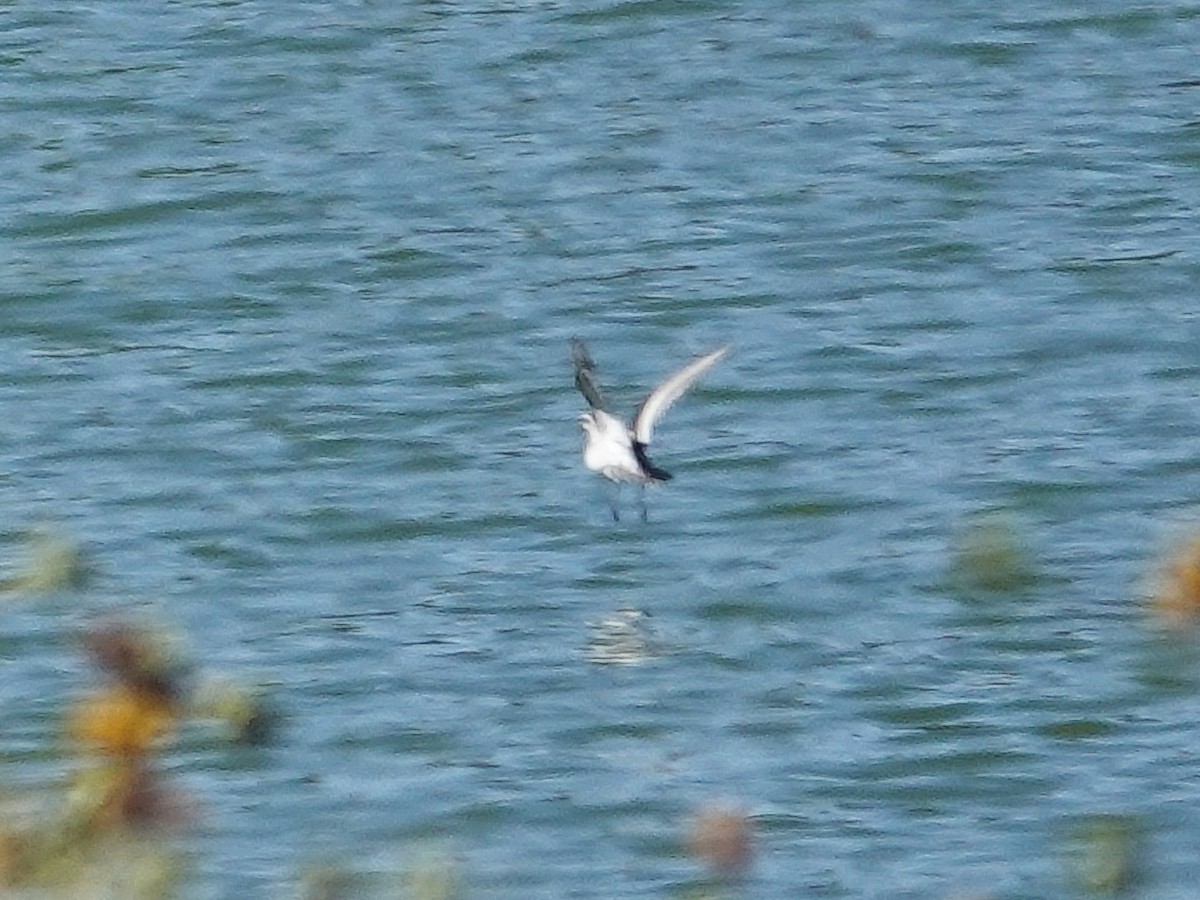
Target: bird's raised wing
{"points": [[585, 374], [661, 398]]}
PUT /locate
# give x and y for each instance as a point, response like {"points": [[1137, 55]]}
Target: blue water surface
{"points": [[285, 297]]}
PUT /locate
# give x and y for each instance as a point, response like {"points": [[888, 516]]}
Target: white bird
{"points": [[618, 451]]}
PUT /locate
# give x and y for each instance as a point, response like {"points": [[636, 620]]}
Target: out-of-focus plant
{"points": [[431, 875], [107, 832], [1175, 586], [243, 712], [722, 839], [129, 717], [991, 556], [1104, 854], [52, 563]]}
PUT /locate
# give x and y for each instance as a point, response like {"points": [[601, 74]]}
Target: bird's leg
{"points": [[614, 498], [642, 502]]}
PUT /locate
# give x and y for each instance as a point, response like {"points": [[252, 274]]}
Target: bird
{"points": [[616, 450]]}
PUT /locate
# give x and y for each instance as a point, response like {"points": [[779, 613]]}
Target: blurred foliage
{"points": [[105, 837], [1104, 854], [243, 712], [121, 721], [108, 831], [52, 563], [1175, 585], [991, 556], [433, 876], [329, 882], [722, 839]]}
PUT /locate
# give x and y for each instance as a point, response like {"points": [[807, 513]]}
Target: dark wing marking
{"points": [[652, 471], [585, 375]]}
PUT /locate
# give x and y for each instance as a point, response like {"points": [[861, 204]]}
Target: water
{"points": [[285, 300]]}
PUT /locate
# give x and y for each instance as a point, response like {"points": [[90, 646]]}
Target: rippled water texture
{"points": [[285, 297]]}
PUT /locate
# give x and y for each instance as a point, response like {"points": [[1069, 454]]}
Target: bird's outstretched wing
{"points": [[661, 398], [585, 375]]}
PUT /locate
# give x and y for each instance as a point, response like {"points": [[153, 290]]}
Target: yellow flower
{"points": [[122, 721], [1176, 594]]}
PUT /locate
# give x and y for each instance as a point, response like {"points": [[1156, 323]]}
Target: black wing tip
{"points": [[653, 472]]}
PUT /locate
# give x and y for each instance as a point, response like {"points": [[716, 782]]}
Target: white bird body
{"points": [[616, 450], [608, 448]]}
